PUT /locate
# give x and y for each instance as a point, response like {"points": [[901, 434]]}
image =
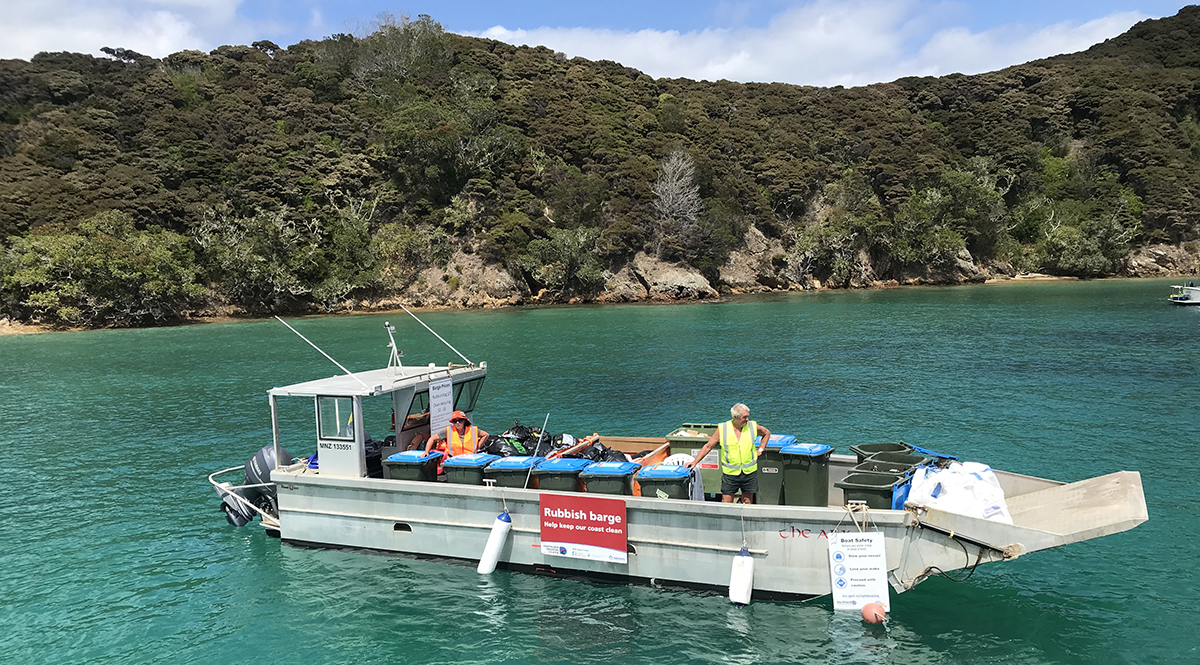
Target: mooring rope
{"points": [[857, 507]]}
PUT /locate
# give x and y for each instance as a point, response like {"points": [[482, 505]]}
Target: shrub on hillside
{"points": [[104, 272]]}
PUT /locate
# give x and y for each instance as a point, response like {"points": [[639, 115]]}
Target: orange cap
{"points": [[459, 414]]}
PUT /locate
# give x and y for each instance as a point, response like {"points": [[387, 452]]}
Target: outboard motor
{"points": [[258, 471]]}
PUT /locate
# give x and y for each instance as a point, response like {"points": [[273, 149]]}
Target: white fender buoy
{"points": [[495, 541], [741, 578]]}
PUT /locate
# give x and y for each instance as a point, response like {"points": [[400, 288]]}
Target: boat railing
{"points": [[225, 490]]}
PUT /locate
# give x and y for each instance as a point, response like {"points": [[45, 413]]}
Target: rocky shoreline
{"points": [[466, 284]]}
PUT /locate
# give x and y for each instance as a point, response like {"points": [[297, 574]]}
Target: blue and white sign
{"points": [[858, 570]]}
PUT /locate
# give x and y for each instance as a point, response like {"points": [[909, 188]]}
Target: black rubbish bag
{"points": [[544, 448], [507, 449], [492, 445], [592, 452], [517, 431], [613, 455]]}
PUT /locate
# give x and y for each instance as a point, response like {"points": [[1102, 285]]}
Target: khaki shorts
{"points": [[746, 482]]}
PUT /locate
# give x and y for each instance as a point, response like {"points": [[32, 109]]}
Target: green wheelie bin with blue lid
{"points": [[515, 471], [413, 465], [467, 469], [610, 477], [560, 474], [665, 481], [770, 470], [806, 474]]}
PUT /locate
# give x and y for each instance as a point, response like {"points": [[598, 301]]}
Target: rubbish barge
{"points": [[668, 542]]}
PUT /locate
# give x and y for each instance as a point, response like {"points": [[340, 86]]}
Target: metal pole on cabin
{"points": [[275, 429]]}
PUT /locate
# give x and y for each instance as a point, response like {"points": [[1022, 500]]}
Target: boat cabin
{"points": [[421, 401]]}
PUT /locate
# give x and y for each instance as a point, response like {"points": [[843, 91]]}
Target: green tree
{"points": [[103, 273], [564, 263]]}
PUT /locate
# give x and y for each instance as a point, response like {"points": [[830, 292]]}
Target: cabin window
{"points": [[418, 412], [335, 417], [466, 394]]}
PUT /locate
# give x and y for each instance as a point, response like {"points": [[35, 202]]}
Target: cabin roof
{"points": [[376, 381]]}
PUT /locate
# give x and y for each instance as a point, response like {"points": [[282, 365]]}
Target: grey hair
{"points": [[738, 409]]}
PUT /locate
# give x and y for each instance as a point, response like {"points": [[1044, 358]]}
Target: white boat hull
{"points": [[691, 543], [1185, 295]]}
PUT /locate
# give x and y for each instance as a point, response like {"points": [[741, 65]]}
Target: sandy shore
{"points": [[1032, 277], [8, 327]]}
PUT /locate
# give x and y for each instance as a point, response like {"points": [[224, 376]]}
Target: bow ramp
{"points": [[1045, 515]]}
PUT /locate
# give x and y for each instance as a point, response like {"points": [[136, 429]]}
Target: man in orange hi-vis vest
{"points": [[460, 438]]}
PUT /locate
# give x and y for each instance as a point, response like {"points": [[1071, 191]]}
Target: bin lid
{"points": [[471, 460], [931, 453], [611, 469], [515, 462], [414, 456], [807, 449], [777, 441], [668, 471], [562, 464]]}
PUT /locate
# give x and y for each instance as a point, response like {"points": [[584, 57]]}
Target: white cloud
{"points": [[153, 27], [959, 50], [826, 42], [820, 42]]}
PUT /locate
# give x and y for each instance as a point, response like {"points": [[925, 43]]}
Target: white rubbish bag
{"points": [[966, 488]]}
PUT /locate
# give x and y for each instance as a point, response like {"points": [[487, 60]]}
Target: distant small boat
{"points": [[1185, 295]]}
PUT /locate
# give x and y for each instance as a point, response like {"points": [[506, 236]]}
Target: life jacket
{"points": [[738, 454], [462, 445]]}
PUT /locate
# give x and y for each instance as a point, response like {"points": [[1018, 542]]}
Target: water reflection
{"points": [[853, 640], [591, 623]]}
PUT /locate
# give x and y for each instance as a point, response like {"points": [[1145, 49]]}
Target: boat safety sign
{"points": [[583, 527], [858, 570]]}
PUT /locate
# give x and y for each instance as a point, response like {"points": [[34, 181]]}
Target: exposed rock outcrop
{"points": [[751, 269], [671, 281], [624, 286], [1161, 260]]}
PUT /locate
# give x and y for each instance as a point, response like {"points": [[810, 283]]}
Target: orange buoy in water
{"points": [[873, 613]]}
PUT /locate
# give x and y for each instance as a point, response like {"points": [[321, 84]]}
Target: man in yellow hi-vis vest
{"points": [[739, 456]]}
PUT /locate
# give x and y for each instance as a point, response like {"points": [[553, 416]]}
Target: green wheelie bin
{"points": [[665, 481], [770, 470], [877, 490], [413, 465], [865, 450], [806, 474], [610, 477], [467, 469], [560, 474]]}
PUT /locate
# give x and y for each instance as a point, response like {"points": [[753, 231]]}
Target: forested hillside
{"points": [[258, 179]]}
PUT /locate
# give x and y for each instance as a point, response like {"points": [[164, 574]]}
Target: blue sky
{"points": [[816, 42]]}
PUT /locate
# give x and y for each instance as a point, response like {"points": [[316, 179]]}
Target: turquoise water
{"points": [[114, 550]]}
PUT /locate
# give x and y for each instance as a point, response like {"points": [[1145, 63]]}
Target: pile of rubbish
{"points": [[526, 440]]}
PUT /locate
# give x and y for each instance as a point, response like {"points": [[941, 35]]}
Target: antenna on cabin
{"points": [[465, 359], [348, 372], [397, 354]]}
